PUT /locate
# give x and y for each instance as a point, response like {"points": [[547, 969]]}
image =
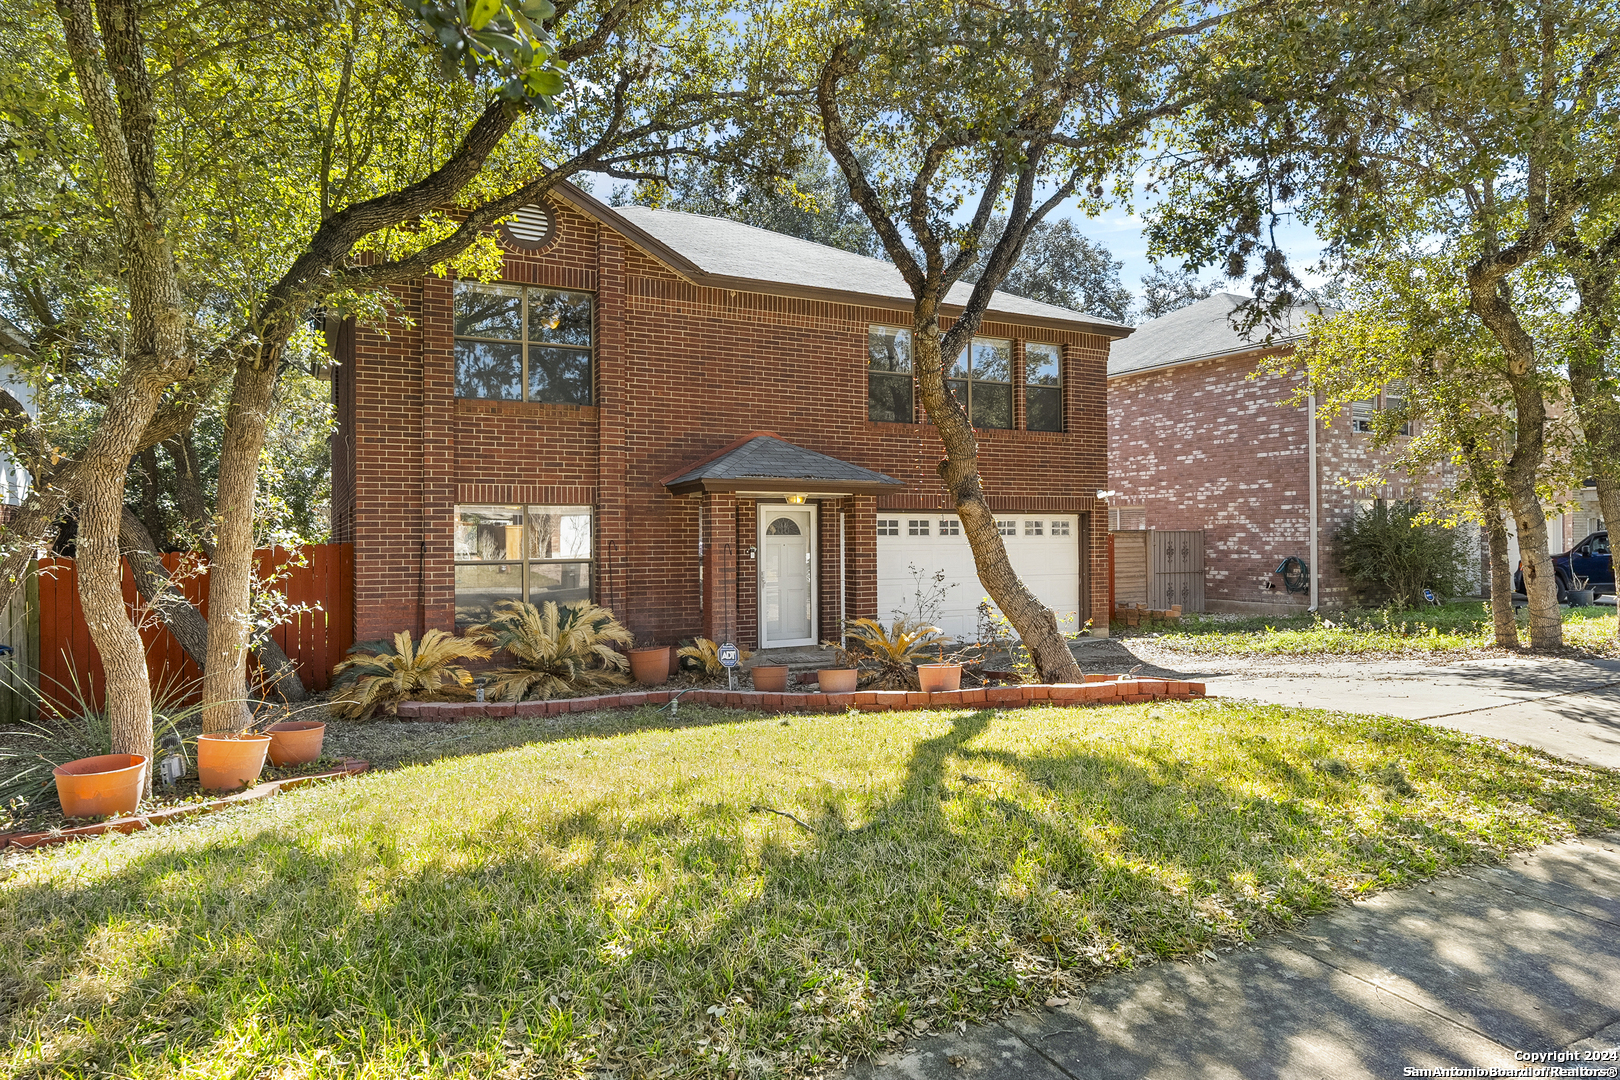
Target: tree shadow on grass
{"points": [[391, 936]]}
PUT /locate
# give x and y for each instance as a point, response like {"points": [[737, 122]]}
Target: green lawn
{"points": [[612, 898], [1454, 628]]}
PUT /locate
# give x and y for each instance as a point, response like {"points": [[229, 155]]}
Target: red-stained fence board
{"points": [[321, 576]]}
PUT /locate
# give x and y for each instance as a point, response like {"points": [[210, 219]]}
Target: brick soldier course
{"points": [[696, 345]]}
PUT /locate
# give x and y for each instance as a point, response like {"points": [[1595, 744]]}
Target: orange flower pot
{"points": [[226, 762], [771, 678], [650, 667], [296, 742], [840, 680], [101, 785], [935, 678]]}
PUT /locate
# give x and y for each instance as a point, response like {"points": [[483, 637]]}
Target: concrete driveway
{"points": [[1566, 707]]}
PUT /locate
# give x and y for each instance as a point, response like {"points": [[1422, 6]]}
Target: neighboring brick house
{"points": [[1200, 437], [706, 427]]}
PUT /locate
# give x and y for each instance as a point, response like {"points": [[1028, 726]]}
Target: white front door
{"points": [[787, 575]]}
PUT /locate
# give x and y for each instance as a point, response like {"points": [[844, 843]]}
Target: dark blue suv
{"points": [[1590, 559]]}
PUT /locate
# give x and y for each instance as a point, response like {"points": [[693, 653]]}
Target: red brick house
{"points": [[1199, 438], [706, 427]]}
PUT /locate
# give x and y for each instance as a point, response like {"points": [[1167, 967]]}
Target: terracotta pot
{"points": [[296, 742], [837, 680], [650, 667], [771, 678], [227, 762], [934, 678], [101, 785]]}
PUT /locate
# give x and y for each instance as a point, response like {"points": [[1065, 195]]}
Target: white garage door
{"points": [[912, 548]]}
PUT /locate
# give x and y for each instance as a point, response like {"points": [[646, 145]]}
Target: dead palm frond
{"points": [[705, 657], [379, 674], [893, 651], [557, 649]]}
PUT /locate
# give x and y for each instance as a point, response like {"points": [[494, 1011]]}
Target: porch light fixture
{"points": [[795, 500]]}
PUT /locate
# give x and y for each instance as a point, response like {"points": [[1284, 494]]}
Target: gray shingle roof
{"points": [[1202, 331], [763, 460], [730, 249]]}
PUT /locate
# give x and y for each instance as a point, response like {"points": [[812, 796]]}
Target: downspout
{"points": [[1310, 443], [843, 584]]}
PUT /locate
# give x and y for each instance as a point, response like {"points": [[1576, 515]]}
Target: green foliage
{"points": [[1391, 551], [890, 654], [558, 649], [504, 40], [1164, 291], [378, 675], [703, 657]]}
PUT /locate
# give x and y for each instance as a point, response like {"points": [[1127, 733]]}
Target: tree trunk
{"points": [[1036, 624], [1609, 505], [1487, 300], [230, 575], [152, 581], [151, 512], [183, 619], [188, 491], [1502, 620]]}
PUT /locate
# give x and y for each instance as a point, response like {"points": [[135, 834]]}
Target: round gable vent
{"points": [[532, 229]]}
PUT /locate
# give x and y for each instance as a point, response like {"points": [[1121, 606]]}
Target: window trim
{"points": [[1053, 388], [967, 406], [909, 376], [523, 560], [524, 344]]}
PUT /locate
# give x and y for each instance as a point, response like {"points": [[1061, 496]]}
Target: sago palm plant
{"points": [[703, 657], [557, 649], [379, 674], [893, 651]]}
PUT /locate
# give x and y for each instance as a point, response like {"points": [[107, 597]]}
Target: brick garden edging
{"points": [[1096, 690], [138, 822]]}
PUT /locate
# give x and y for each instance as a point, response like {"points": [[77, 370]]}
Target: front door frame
{"points": [[763, 511]]}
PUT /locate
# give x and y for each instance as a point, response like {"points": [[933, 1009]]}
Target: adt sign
{"points": [[728, 655]]}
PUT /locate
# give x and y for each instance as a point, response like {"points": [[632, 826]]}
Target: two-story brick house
{"points": [[1204, 434], [704, 426]]}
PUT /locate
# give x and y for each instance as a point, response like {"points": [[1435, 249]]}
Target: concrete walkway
{"points": [[1566, 707], [1461, 972]]}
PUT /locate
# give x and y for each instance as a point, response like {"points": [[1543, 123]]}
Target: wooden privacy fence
{"points": [[320, 576]]}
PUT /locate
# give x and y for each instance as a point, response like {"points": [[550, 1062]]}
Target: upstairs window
{"points": [[981, 379], [888, 375], [1364, 414], [1043, 388], [523, 344]]}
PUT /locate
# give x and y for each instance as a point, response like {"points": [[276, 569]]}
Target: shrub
{"points": [[894, 651], [1389, 553], [380, 674], [557, 649], [703, 657]]}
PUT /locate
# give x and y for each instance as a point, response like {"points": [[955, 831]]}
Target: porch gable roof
{"points": [[761, 460]]}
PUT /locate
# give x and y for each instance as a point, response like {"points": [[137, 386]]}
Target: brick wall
{"points": [[681, 371], [1211, 446]]}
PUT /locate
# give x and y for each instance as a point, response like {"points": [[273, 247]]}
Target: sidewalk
{"points": [[1458, 972]]}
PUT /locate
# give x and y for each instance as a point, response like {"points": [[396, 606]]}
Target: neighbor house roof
{"points": [[761, 460], [730, 255], [1204, 331]]}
